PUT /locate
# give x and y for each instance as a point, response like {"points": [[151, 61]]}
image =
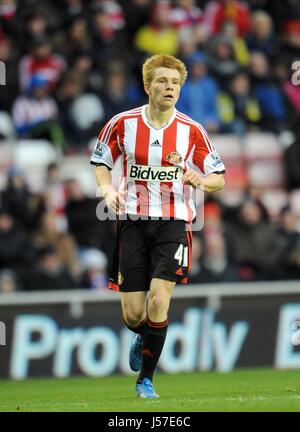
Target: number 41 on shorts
{"points": [[181, 255]]}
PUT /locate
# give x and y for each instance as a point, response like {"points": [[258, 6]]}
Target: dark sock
{"points": [[141, 329], [153, 344]]}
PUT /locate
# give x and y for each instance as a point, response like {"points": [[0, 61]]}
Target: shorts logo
{"points": [[174, 158], [120, 278], [154, 173]]}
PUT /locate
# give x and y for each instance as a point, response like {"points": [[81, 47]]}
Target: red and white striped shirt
{"points": [[154, 161], [50, 68]]}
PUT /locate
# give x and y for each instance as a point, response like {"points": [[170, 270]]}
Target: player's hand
{"points": [[192, 178], [115, 201]]}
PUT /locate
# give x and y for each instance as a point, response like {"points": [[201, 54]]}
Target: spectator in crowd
{"points": [[292, 161], [211, 261], [55, 196], [293, 268], [82, 64], [221, 58], [270, 97], [35, 114], [87, 230], [241, 53], [186, 16], [290, 239], [254, 243], [70, 88], [79, 39], [7, 130], [8, 17], [291, 38], [16, 251], [261, 38], [198, 98], [86, 111], [219, 11], [72, 10], [214, 245], [21, 203], [8, 282], [114, 12], [64, 245], [38, 18], [158, 36], [187, 47], [41, 62], [281, 12], [80, 110], [9, 91], [35, 27], [212, 217], [94, 264], [108, 41], [137, 14], [255, 194], [195, 275], [120, 94], [215, 264], [50, 272], [238, 108]]}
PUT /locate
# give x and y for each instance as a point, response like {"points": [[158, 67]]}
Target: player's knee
{"points": [[158, 303], [133, 317]]}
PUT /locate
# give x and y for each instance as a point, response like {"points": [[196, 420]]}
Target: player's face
{"points": [[165, 87]]}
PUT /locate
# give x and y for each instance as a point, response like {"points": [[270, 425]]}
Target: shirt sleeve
{"points": [[205, 156], [107, 148]]}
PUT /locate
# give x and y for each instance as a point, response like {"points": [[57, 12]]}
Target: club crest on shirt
{"points": [[174, 158]]}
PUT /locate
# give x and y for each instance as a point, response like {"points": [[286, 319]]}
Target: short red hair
{"points": [[163, 60]]}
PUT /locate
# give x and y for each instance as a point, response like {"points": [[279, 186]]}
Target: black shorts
{"points": [[150, 249]]}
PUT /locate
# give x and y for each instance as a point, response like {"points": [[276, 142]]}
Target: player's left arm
{"points": [[206, 158], [211, 183]]}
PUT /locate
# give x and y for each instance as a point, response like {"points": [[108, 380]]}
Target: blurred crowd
{"points": [[71, 65]]}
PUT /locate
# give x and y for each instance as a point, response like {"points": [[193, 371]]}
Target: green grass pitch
{"points": [[241, 390]]}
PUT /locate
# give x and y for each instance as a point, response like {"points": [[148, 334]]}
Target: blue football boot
{"points": [[145, 390], [135, 354]]}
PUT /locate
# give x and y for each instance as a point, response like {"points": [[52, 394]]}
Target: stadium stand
{"points": [[33, 157], [263, 157], [230, 149], [91, 54], [77, 166]]}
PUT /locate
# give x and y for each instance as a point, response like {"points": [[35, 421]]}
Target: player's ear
{"points": [[147, 88]]}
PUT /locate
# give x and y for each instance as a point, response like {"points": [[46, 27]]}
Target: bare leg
{"points": [[134, 307], [159, 299]]}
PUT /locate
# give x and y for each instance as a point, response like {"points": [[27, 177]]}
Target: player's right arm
{"points": [[114, 199], [105, 155]]}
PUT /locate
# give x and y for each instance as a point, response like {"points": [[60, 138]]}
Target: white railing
{"points": [[189, 291]]}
